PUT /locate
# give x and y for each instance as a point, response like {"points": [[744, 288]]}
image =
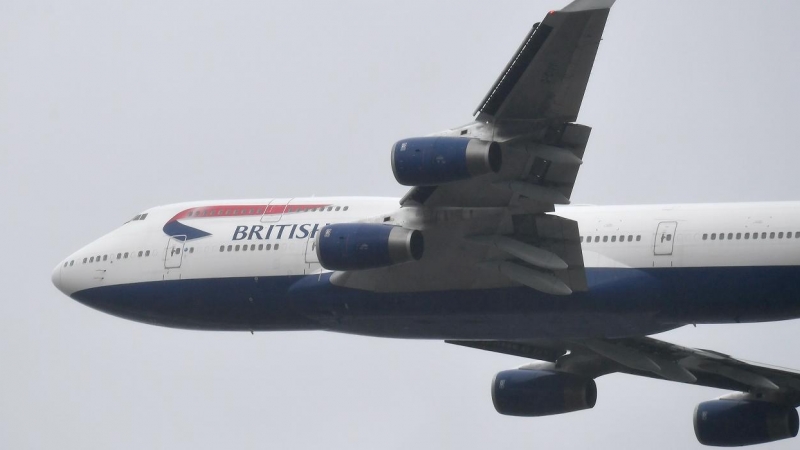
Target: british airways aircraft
{"points": [[484, 252]]}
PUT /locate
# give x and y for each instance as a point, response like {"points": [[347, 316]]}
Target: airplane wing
{"points": [[546, 78], [653, 358], [492, 230], [529, 112]]}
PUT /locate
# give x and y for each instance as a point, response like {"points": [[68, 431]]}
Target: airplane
{"points": [[485, 252]]}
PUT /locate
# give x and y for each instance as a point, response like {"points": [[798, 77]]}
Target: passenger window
{"points": [[638, 237], [789, 235], [630, 238], [588, 239], [230, 248], [330, 208], [244, 248], [705, 236], [605, 238], [91, 259], [755, 235], [730, 236], [125, 256], [613, 239], [191, 249], [252, 247], [84, 260], [346, 207], [581, 238], [338, 208], [721, 236], [147, 253], [276, 246], [261, 246], [797, 234], [780, 235], [222, 248], [713, 236], [140, 253], [763, 235], [269, 247], [71, 263], [747, 235], [65, 263], [105, 257], [237, 248], [597, 238], [738, 236], [772, 235], [119, 255]]}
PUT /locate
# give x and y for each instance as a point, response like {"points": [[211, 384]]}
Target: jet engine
{"points": [[733, 423], [355, 246], [532, 393], [430, 161]]}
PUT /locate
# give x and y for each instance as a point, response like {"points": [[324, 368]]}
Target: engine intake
{"points": [[356, 246], [532, 393], [430, 161], [733, 423]]}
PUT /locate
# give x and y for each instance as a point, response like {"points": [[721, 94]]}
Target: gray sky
{"points": [[107, 108]]}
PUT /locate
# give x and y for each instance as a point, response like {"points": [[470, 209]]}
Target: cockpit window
{"points": [[138, 217]]}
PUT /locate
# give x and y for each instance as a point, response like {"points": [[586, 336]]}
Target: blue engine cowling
{"points": [[430, 161], [355, 246], [733, 423], [532, 393]]}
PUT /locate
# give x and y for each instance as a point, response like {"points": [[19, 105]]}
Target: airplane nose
{"points": [[56, 278]]}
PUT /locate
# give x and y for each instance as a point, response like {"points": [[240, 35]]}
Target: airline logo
{"points": [[181, 231]]}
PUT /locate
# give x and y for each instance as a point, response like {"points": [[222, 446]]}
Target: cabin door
{"points": [[665, 238], [173, 255], [275, 209]]}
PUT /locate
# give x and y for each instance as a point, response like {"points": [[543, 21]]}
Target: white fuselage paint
{"points": [[680, 243]]}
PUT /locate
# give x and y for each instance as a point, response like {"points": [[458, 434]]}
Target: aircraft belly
{"points": [[619, 303]]}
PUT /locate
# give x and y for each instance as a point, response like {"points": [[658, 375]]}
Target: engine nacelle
{"points": [[430, 161], [532, 393], [733, 423], [355, 246]]}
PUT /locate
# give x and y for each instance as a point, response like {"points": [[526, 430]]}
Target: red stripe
{"points": [[203, 212]]}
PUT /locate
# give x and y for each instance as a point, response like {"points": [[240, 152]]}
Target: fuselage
{"points": [[251, 265]]}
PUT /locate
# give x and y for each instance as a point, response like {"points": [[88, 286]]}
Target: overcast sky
{"points": [[108, 108]]}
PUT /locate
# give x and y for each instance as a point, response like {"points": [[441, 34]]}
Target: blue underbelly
{"points": [[619, 302]]}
